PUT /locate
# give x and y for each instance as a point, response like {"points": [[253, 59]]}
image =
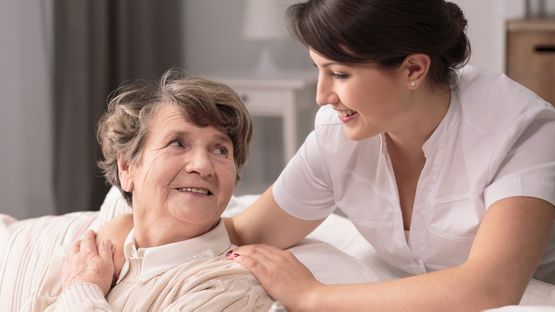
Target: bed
{"points": [[28, 244]]}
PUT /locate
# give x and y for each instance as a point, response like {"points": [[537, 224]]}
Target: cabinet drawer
{"points": [[264, 103], [531, 56]]}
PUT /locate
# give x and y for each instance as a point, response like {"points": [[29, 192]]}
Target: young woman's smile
{"points": [[365, 96]]}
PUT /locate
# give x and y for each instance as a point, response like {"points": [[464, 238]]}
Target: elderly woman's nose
{"points": [[199, 162]]}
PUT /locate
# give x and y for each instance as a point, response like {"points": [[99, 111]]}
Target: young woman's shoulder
{"points": [[483, 94], [495, 89]]}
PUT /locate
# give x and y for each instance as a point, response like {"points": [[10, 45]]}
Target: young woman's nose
{"points": [[199, 162], [324, 93]]}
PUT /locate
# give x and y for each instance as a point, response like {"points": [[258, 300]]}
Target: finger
{"points": [[269, 251], [255, 252], [75, 246], [88, 243], [105, 251], [261, 251], [256, 267]]}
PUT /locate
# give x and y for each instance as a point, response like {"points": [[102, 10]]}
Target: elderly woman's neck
{"points": [[148, 234]]}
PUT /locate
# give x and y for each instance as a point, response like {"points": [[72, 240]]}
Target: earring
{"points": [[413, 84]]}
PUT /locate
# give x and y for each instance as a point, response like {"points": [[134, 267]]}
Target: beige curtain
{"points": [[98, 44]]}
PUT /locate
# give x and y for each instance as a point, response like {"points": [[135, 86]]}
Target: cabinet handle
{"points": [[545, 48]]}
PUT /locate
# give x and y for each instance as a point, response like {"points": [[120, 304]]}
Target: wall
{"points": [[214, 42], [25, 128]]}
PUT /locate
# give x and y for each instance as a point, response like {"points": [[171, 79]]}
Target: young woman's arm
{"points": [[265, 222], [504, 255]]}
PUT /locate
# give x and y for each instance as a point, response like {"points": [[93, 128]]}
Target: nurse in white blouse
{"points": [[449, 172]]}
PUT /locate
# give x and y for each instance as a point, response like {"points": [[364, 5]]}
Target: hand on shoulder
{"points": [[87, 262]]}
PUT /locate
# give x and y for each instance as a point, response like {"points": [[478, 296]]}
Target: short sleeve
{"points": [[304, 189], [529, 166]]}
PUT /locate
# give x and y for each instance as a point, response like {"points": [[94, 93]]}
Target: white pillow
{"points": [[330, 265], [5, 222], [539, 293], [514, 308]]}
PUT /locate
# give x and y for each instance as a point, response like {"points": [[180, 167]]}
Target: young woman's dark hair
{"points": [[385, 31]]}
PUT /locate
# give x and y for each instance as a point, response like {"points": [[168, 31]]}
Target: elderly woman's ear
{"points": [[125, 174]]}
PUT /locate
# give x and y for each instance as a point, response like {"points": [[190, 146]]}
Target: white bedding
{"points": [[335, 241]]}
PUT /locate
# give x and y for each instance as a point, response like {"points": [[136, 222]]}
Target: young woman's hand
{"points": [[85, 263], [280, 273]]}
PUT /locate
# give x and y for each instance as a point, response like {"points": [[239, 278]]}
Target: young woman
{"points": [[446, 170]]}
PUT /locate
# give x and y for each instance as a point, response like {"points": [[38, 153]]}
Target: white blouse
{"points": [[496, 141]]}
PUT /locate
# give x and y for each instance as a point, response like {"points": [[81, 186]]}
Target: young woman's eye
{"points": [[339, 76]]}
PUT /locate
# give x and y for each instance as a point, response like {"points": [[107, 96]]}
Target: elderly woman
{"points": [[174, 149]]}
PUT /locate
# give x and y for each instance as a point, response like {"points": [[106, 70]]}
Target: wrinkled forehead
{"points": [[171, 117]]}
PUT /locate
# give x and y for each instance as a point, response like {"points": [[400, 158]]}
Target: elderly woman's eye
{"points": [[177, 143], [221, 150]]}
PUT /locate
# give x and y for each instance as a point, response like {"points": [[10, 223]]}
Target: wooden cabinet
{"points": [[531, 55]]}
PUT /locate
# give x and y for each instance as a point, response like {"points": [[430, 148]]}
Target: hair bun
{"points": [[457, 16]]}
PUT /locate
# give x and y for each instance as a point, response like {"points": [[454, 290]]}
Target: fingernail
{"points": [[229, 253]]}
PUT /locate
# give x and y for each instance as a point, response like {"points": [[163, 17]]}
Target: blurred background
{"points": [[60, 59]]}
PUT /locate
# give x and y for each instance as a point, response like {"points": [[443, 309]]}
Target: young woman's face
{"points": [[185, 175], [368, 99]]}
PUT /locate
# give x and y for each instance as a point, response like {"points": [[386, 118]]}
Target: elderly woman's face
{"points": [[186, 174]]}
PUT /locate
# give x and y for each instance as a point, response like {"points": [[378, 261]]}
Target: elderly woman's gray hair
{"points": [[122, 130]]}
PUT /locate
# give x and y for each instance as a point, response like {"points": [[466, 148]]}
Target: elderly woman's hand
{"points": [[85, 263], [280, 273]]}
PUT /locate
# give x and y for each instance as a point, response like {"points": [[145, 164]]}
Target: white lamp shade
{"points": [[265, 19]]}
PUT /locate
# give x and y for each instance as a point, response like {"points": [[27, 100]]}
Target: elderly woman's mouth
{"points": [[195, 190]]}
